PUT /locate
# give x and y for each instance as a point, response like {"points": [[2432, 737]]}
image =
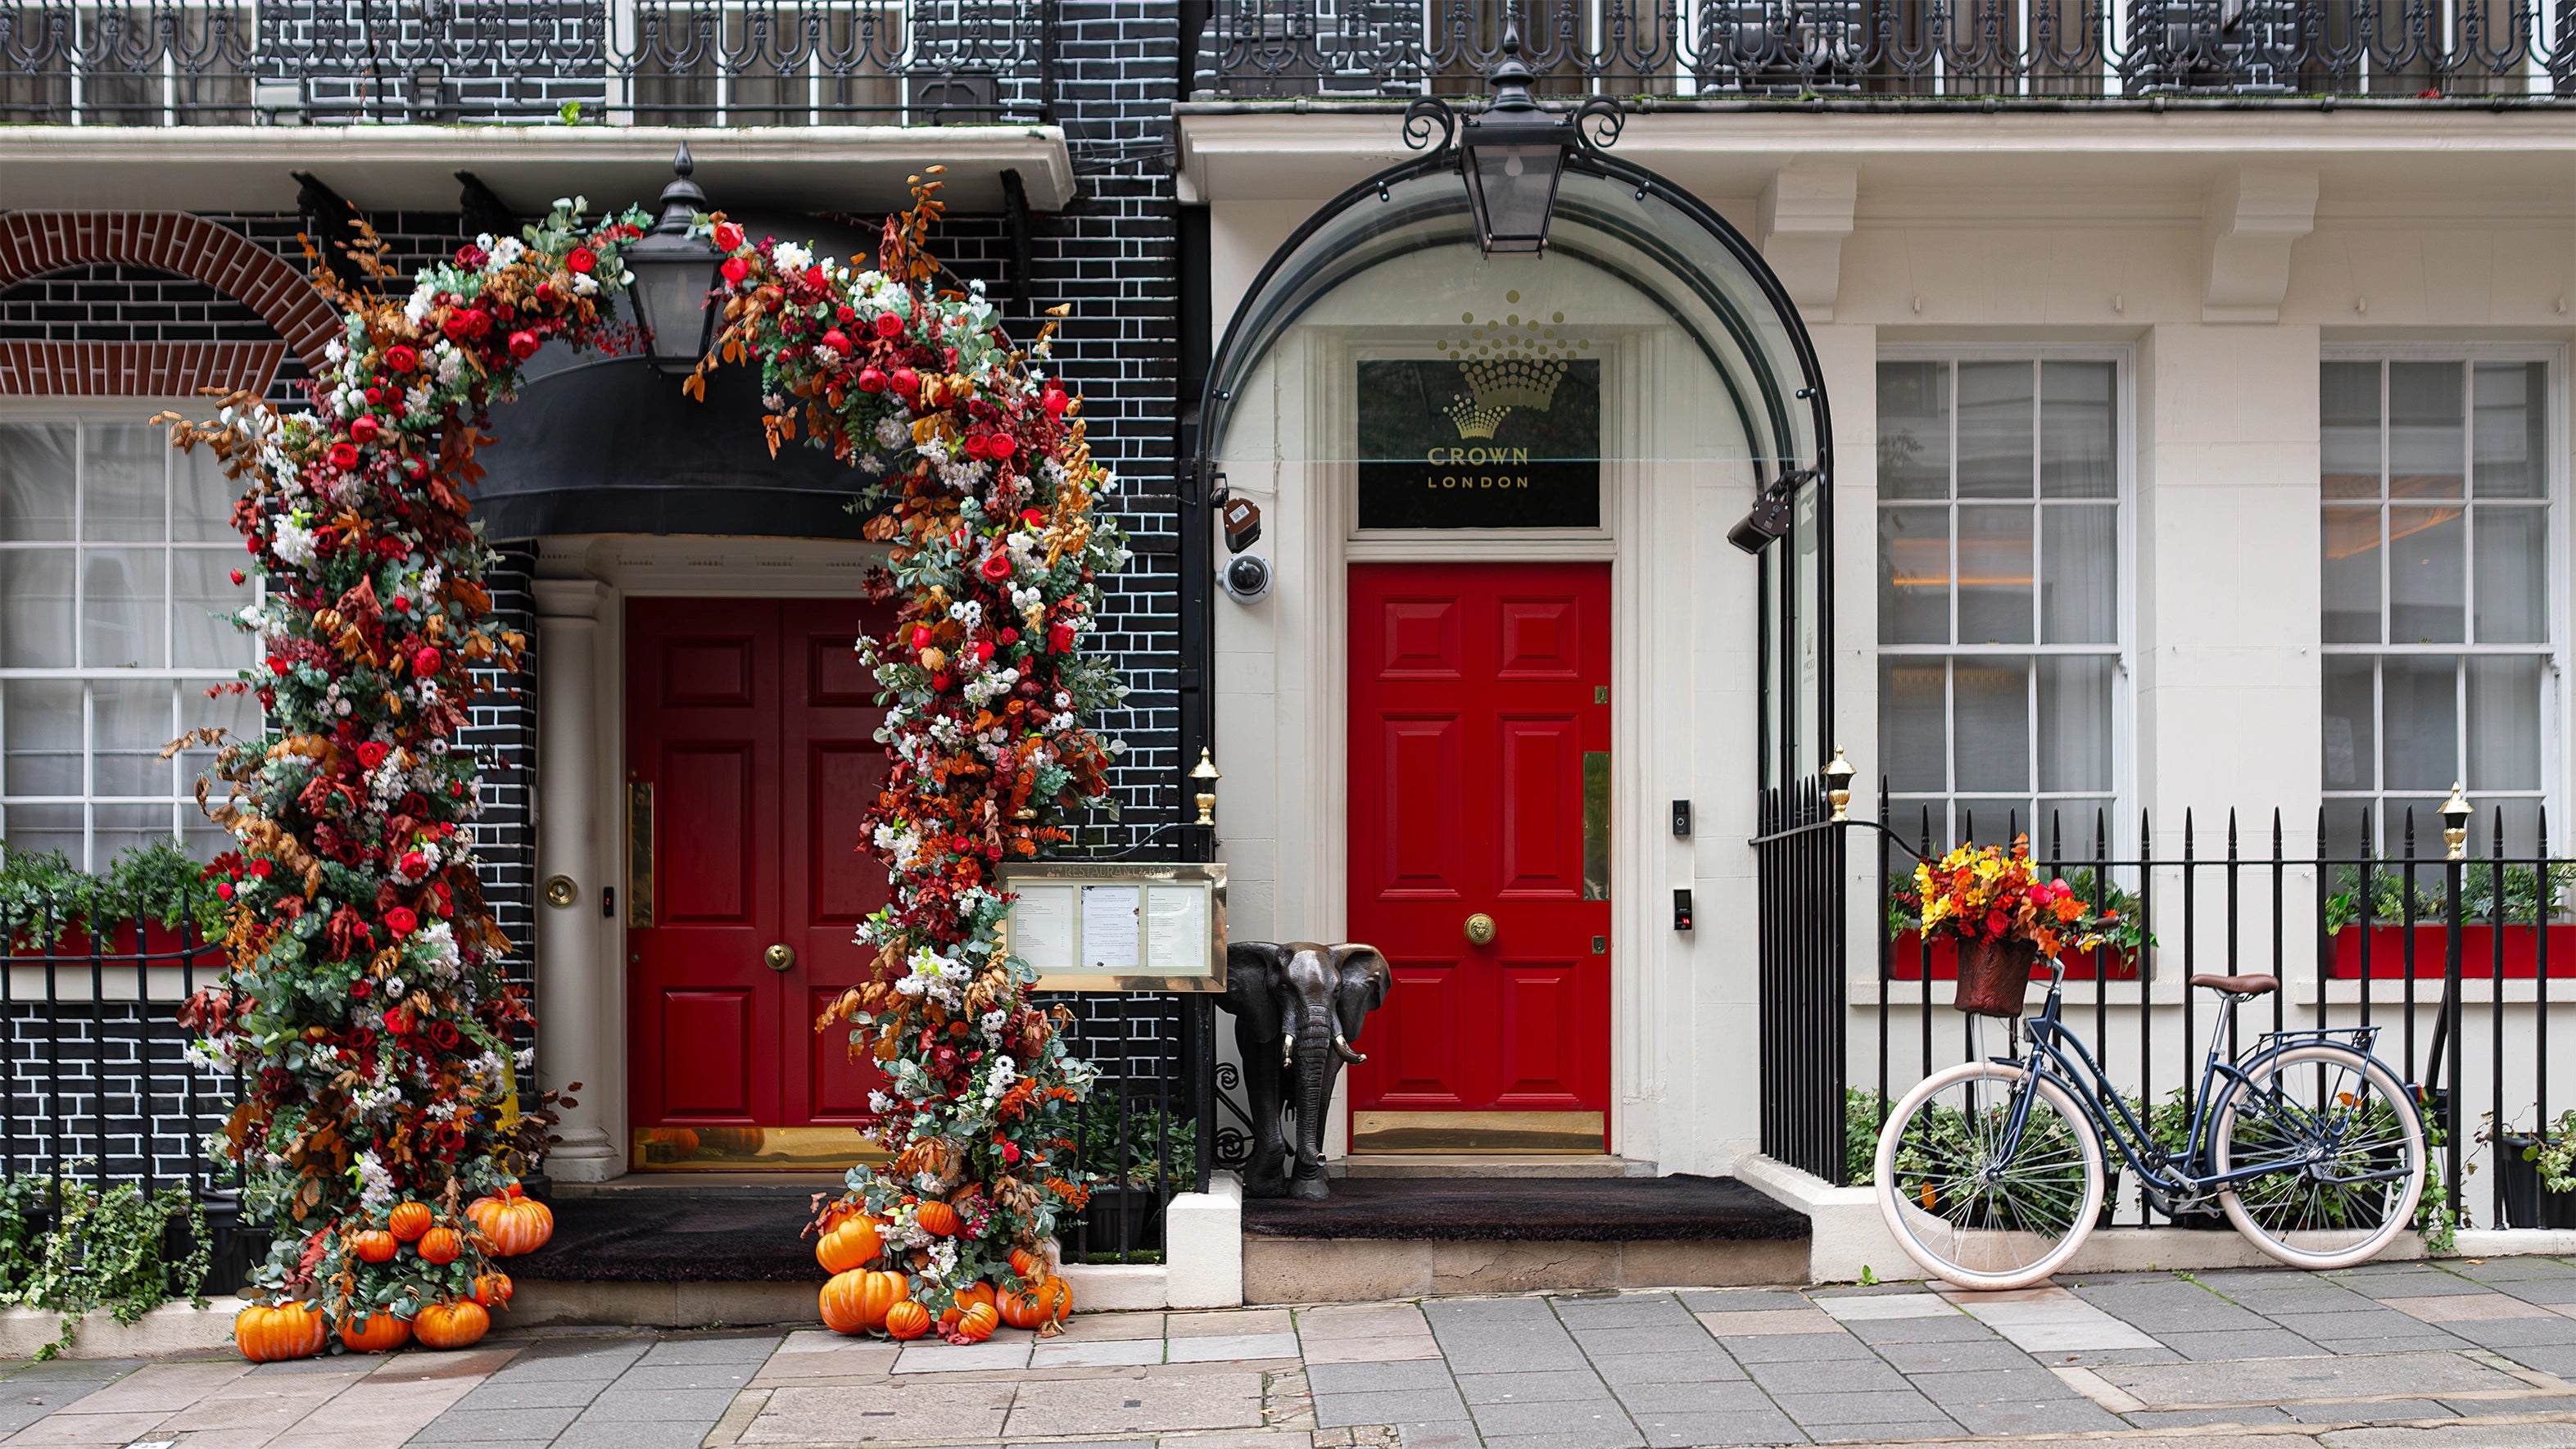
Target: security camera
{"points": [[1246, 576]]}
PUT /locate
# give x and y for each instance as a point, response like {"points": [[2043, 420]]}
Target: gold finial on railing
{"points": [[1205, 773], [1838, 778], [2455, 825]]}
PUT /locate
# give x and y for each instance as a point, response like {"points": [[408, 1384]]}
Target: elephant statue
{"points": [[1297, 1005]]}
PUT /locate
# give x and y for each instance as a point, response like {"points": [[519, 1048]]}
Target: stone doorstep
{"points": [[1375, 1270]]}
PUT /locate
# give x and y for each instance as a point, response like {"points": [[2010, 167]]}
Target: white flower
{"points": [[791, 257]]}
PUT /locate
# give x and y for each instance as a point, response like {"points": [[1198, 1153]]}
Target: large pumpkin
{"points": [[977, 1323], [461, 1324], [409, 1220], [853, 1242], [482, 1210], [856, 1301], [492, 1288], [1045, 1301], [267, 1334], [1027, 1263], [521, 1225], [374, 1245], [907, 1319], [937, 1218], [377, 1332]]}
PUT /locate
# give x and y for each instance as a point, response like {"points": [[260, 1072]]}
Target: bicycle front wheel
{"points": [[1971, 1200], [2349, 1149]]}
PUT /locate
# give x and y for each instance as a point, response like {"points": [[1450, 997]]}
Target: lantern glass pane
{"points": [[1515, 185], [670, 301]]}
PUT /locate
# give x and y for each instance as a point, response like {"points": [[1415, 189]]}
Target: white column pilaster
{"points": [[575, 998]]}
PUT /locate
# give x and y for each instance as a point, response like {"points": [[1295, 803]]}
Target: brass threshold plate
{"points": [[1552, 1133], [750, 1149]]}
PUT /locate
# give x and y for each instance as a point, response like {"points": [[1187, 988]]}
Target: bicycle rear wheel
{"points": [[2350, 1145], [1967, 1207]]}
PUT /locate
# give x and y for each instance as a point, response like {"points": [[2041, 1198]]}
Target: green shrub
{"points": [[72, 1247]]}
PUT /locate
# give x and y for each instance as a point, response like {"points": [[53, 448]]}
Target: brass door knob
{"points": [[780, 956], [1480, 929]]}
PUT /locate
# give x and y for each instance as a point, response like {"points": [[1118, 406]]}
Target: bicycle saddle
{"points": [[2239, 985]]}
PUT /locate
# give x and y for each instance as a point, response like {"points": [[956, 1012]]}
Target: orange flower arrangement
{"points": [[1988, 893]]}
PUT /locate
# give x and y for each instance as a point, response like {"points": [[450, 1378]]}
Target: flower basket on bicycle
{"points": [[2003, 916], [1994, 975]]}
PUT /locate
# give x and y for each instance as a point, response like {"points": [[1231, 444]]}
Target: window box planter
{"points": [[1906, 960], [2477, 951], [168, 945], [2528, 1203]]}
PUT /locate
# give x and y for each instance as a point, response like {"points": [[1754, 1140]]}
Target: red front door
{"points": [[1477, 691], [753, 721]]}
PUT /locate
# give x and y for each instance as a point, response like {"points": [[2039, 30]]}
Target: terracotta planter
{"points": [[1993, 976]]}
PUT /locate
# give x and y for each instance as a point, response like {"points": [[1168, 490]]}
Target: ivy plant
{"points": [[73, 1247]]}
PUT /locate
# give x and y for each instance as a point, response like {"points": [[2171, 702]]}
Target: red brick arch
{"points": [[33, 243]]}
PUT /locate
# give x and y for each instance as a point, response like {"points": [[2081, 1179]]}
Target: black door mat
{"points": [[1531, 1209]]}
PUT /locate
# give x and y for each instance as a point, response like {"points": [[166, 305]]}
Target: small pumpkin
{"points": [[907, 1319], [409, 1221], [492, 1288], [521, 1226], [967, 1297], [460, 1324], [441, 1246], [1027, 1263], [937, 1219], [1043, 1302], [377, 1332], [853, 1242], [374, 1245], [977, 1323], [274, 1333]]}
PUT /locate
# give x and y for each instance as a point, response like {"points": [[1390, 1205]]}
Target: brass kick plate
{"points": [[1551, 1133], [751, 1149]]}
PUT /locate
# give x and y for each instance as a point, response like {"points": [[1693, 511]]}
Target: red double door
{"points": [[1476, 693], [753, 721]]}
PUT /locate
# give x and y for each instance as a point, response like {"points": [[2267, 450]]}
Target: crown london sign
{"points": [[1501, 430]]}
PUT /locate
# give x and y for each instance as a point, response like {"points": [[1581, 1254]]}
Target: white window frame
{"points": [[2386, 834], [183, 807], [1905, 815]]}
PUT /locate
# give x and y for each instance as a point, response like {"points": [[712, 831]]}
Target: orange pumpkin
{"points": [[267, 1334], [1045, 1301], [409, 1220], [907, 1319], [377, 1332], [854, 1242], [856, 1301], [977, 1323], [1026, 1263], [732, 1141], [967, 1297], [937, 1219], [839, 1212], [522, 1225], [492, 1288], [481, 1211], [374, 1245], [441, 1246], [461, 1324]]}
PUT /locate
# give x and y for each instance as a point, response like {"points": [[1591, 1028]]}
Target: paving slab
{"points": [[2287, 1380]]}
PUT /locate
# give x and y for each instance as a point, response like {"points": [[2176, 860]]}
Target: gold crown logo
{"points": [[1474, 419]]}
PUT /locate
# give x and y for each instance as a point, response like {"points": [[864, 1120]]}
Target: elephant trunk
{"points": [[1315, 1066]]}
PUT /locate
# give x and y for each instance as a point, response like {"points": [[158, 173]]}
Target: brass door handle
{"points": [[780, 956], [1480, 929]]}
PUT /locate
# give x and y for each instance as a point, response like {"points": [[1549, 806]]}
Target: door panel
{"points": [[1476, 690], [707, 1048], [709, 868]]}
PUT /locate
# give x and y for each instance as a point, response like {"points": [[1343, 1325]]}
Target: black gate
{"points": [[1799, 870]]}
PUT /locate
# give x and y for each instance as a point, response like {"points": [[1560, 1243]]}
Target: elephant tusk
{"points": [[1288, 1048], [1343, 1049]]}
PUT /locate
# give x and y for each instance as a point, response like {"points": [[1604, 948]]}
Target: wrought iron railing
{"points": [[1896, 49], [641, 62], [1798, 855]]}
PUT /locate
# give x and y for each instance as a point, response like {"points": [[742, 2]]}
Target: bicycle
{"points": [[1990, 1173]]}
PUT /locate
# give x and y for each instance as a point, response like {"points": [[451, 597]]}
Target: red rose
{"points": [[837, 340], [402, 357], [277, 666], [889, 324], [360, 990], [373, 752], [871, 380], [413, 863], [1032, 517], [1060, 639], [425, 663], [364, 430], [1010, 636], [905, 381], [415, 468], [735, 269], [263, 867], [581, 259], [997, 566], [445, 1035], [1055, 401], [983, 648], [728, 236], [397, 1021], [237, 576], [1001, 445], [224, 889], [1010, 1152], [978, 446], [921, 636], [344, 456], [471, 256], [401, 921], [523, 345]]}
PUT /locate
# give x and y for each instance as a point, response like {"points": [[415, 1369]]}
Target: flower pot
{"points": [[2527, 1202], [1993, 975]]}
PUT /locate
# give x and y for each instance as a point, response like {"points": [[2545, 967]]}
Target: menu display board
{"points": [[1118, 926]]}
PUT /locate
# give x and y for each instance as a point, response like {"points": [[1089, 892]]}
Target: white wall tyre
{"points": [[2291, 1216], [1987, 1231]]}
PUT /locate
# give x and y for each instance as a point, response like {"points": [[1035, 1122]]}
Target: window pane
{"points": [[40, 829], [2427, 432], [2079, 575], [1992, 820], [36, 481], [2076, 424], [2351, 732], [1991, 703], [202, 585], [2427, 576], [201, 505], [1914, 576], [124, 482], [2419, 697], [129, 722], [2504, 723], [43, 717], [236, 714], [2351, 575], [2347, 824], [2418, 817], [2521, 834], [1994, 575], [1995, 429], [2075, 723], [117, 829], [1914, 430], [2349, 404], [36, 608], [1912, 735], [123, 617], [2512, 429], [2065, 831], [2513, 575]]}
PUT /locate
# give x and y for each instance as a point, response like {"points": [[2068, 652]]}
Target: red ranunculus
{"points": [[871, 380], [735, 269], [905, 381], [728, 236], [1010, 1152], [363, 429], [344, 456], [581, 259], [413, 864], [1055, 400], [425, 663], [889, 324], [1001, 445], [837, 340], [401, 921], [997, 566], [402, 357], [523, 345]]}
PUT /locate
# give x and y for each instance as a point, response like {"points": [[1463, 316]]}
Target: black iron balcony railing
{"points": [[623, 62], [2418, 50]]}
